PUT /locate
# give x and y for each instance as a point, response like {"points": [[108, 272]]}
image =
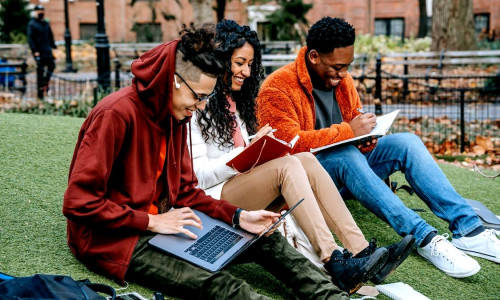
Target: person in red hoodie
{"points": [[131, 177]]}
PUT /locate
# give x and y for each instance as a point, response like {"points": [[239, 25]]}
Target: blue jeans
{"points": [[361, 174]]}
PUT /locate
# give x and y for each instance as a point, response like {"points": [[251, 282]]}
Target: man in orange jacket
{"points": [[315, 97]]}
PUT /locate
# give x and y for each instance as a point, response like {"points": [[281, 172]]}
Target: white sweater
{"points": [[209, 161]]}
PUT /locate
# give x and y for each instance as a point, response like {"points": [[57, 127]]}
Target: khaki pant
{"points": [[295, 177]]}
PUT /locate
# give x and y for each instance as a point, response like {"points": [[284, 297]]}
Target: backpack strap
{"points": [[99, 287]]}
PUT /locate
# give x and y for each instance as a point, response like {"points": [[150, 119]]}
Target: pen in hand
{"points": [[361, 110], [254, 135]]}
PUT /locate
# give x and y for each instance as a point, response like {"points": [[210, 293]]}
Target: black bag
{"points": [[44, 286]]}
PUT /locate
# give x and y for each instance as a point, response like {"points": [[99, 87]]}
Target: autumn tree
{"points": [[422, 23], [203, 11], [453, 25]]}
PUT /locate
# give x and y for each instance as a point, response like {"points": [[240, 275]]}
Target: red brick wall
{"points": [[120, 17]]}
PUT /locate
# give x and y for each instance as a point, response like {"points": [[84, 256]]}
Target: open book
{"points": [[262, 151], [383, 124]]}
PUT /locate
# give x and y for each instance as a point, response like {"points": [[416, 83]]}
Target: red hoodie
{"points": [[112, 177]]}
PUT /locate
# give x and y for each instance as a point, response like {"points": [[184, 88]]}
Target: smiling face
{"points": [[184, 101], [241, 65], [331, 67]]}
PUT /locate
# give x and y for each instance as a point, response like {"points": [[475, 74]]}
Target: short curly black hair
{"points": [[330, 33]]}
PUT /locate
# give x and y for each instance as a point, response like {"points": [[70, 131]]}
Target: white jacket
{"points": [[209, 161]]}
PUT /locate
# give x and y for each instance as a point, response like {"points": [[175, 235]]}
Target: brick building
{"points": [[125, 23]]}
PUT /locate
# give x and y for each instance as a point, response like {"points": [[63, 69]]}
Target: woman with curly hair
{"points": [[222, 131]]}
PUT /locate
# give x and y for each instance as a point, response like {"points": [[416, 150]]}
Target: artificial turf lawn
{"points": [[35, 152]]}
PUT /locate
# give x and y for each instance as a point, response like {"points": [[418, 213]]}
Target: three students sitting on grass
{"points": [[132, 175]]}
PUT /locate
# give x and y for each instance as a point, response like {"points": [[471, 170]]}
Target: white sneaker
{"points": [[485, 245], [441, 253]]}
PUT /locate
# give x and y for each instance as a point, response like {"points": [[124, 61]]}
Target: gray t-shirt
{"points": [[326, 107]]}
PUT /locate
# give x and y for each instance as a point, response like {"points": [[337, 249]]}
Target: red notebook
{"points": [[265, 149]]}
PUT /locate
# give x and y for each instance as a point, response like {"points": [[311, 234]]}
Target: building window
{"points": [[88, 31], [148, 32], [390, 27], [482, 21]]}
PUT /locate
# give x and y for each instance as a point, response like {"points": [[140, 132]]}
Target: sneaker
{"points": [[485, 245], [349, 273], [441, 253], [397, 254]]}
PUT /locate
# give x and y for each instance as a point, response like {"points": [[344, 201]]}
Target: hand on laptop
{"points": [[173, 222], [258, 221]]}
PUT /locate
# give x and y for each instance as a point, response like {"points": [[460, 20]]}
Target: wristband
{"points": [[236, 217]]}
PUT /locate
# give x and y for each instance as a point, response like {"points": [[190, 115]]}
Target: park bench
{"points": [[442, 58], [276, 47], [125, 54], [13, 68], [271, 62]]}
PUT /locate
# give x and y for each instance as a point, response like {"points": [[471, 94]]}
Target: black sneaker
{"points": [[397, 254], [349, 273]]}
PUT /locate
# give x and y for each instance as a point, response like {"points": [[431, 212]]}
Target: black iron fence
{"points": [[449, 99]]}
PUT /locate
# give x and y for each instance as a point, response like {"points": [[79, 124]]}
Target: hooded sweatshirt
{"points": [[113, 174]]}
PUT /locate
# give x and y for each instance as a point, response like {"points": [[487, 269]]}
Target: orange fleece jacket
{"points": [[285, 101]]}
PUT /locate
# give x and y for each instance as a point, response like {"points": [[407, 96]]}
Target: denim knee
{"points": [[342, 156]]}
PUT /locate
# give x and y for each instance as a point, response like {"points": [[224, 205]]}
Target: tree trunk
{"points": [[453, 25], [422, 25], [203, 11], [221, 7]]}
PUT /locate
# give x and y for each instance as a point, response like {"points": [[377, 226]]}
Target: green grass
{"points": [[35, 152]]}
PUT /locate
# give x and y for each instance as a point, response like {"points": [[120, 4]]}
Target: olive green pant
{"points": [[174, 277]]}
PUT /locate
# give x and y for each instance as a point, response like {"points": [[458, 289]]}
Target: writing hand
{"points": [[363, 124], [173, 222], [257, 221], [265, 130]]}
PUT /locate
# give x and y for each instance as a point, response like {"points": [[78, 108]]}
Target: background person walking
{"points": [[41, 42]]}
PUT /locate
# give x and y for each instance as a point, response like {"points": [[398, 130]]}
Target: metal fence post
{"points": [[462, 120], [378, 85], [118, 65], [405, 80], [22, 77]]}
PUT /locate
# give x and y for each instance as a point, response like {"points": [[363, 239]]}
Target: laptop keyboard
{"points": [[211, 246]]}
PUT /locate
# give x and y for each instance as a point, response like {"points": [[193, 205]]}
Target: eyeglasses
{"points": [[200, 99]]}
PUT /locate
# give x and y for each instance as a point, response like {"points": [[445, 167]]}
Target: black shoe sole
{"points": [[376, 262], [402, 252]]}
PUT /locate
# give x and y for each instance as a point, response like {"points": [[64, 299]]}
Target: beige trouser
{"points": [[295, 177]]}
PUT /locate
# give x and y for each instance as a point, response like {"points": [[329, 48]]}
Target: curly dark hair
{"points": [[197, 45], [330, 33], [216, 121]]}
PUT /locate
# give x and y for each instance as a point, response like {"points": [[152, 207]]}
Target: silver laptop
{"points": [[217, 244]]}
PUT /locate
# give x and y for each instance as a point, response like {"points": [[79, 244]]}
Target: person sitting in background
{"points": [[220, 132], [315, 97]]}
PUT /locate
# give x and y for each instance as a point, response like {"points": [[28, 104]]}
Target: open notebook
{"points": [[400, 291], [383, 124]]}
